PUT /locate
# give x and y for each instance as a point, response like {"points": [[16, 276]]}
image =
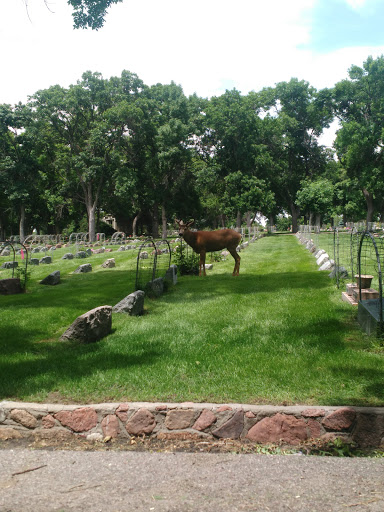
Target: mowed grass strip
{"points": [[279, 333]]}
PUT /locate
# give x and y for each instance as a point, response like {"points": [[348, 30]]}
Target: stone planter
{"points": [[365, 280]]}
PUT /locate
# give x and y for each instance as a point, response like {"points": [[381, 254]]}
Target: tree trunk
{"points": [[155, 222], [163, 222], [22, 223], [369, 200], [318, 220], [91, 210], [238, 220], [295, 213], [134, 225]]}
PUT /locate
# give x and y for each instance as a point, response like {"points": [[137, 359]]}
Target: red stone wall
{"points": [[258, 424]]}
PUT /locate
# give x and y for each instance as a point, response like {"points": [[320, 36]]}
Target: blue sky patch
{"points": [[335, 25]]}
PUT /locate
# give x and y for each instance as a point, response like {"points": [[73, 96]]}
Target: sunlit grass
{"points": [[279, 333]]}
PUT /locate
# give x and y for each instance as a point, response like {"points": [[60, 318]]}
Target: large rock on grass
{"points": [[91, 326]]}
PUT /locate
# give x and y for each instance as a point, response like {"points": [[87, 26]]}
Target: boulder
{"points": [[52, 279], [133, 304], [91, 326], [67, 256], [82, 269]]}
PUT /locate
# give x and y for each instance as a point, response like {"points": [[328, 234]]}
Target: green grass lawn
{"points": [[279, 333]]}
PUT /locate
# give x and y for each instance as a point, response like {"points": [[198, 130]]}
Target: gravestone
{"points": [[91, 326], [52, 279], [10, 286], [34, 261], [81, 254], [171, 274], [133, 304], [155, 287], [82, 269], [9, 264], [67, 256], [46, 260], [110, 263]]}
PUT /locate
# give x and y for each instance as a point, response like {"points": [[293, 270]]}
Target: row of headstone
{"points": [[323, 260]]}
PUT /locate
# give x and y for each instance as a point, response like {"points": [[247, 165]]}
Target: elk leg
{"points": [[237, 258], [202, 263]]}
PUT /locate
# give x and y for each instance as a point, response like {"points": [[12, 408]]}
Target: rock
{"points": [[48, 421], [5, 252], [313, 413], [88, 252], [52, 279], [91, 326], [46, 260], [67, 256], [277, 428], [110, 263], [205, 420], [34, 261], [171, 274], [133, 304], [122, 412], [232, 428], [143, 255], [121, 248], [79, 420], [9, 264], [25, 418], [95, 436], [9, 433], [110, 426], [142, 422], [341, 419], [208, 266], [179, 419], [10, 286], [82, 269], [319, 253], [81, 254]]}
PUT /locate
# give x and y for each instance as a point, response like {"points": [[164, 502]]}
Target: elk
{"points": [[210, 241]]}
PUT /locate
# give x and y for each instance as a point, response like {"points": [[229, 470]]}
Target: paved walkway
{"points": [[68, 481]]}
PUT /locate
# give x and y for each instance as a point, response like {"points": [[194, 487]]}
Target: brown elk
{"points": [[210, 241]]}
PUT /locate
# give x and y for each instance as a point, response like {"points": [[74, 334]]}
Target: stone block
{"points": [[231, 428], [133, 304], [279, 428], [142, 422], [91, 326], [79, 420], [322, 259], [10, 286], [156, 287], [327, 265]]}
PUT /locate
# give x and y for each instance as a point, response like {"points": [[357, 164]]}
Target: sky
{"points": [[206, 46]]}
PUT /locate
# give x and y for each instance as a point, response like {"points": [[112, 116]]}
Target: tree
{"points": [[18, 166], [358, 103], [297, 114], [80, 123], [316, 198], [90, 13]]}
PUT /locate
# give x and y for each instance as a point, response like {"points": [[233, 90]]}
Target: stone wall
{"points": [[290, 425]]}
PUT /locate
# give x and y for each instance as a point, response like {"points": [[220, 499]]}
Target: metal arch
{"points": [[368, 234], [11, 244], [148, 242]]}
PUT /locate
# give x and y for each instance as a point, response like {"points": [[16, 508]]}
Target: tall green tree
{"points": [[90, 13], [298, 114], [359, 105]]}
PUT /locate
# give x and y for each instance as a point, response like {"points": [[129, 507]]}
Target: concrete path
{"points": [[117, 481]]}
